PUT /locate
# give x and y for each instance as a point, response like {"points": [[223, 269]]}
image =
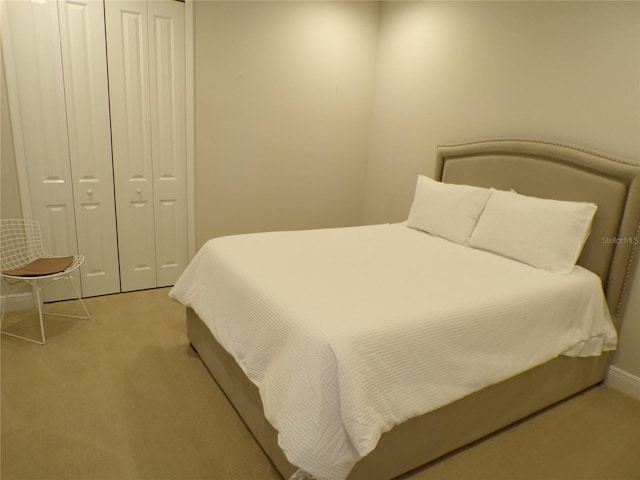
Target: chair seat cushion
{"points": [[42, 266]]}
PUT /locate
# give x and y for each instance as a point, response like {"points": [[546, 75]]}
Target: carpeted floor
{"points": [[123, 397]]}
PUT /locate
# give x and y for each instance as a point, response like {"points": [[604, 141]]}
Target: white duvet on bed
{"points": [[347, 332]]}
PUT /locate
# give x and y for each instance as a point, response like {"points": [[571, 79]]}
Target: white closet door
{"points": [[146, 50], [127, 48], [84, 60], [31, 51], [168, 137]]}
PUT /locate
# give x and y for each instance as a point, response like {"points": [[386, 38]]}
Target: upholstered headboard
{"points": [[563, 172]]}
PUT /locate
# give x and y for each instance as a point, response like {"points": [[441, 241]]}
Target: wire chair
{"points": [[23, 259]]}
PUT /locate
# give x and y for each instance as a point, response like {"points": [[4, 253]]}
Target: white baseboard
{"points": [[17, 301], [624, 381]]}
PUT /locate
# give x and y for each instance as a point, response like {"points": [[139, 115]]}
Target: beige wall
{"points": [[455, 71], [458, 71], [283, 101]]}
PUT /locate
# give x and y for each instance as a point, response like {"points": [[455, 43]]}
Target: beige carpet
{"points": [[123, 397]]}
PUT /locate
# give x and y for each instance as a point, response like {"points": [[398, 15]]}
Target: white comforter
{"points": [[348, 332]]}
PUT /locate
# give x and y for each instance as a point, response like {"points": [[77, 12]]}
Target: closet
{"points": [[97, 106]]}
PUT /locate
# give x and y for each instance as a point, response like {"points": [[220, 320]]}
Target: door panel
{"points": [[168, 107], [127, 50], [31, 52], [84, 60]]}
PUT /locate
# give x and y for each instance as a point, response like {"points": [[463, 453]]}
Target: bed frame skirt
{"points": [[421, 439]]}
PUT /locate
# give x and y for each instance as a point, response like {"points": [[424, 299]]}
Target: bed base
{"points": [[424, 438]]}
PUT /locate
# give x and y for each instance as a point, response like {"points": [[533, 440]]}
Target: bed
{"points": [[532, 168]]}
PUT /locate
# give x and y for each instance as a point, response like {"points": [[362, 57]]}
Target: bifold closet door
{"points": [[82, 35], [145, 45], [168, 137], [59, 114], [31, 51]]}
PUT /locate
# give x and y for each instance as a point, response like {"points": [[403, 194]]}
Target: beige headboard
{"points": [[563, 172]]}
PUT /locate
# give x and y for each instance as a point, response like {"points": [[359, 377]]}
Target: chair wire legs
{"points": [[38, 299], [86, 315]]}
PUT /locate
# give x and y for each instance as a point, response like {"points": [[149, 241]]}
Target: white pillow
{"points": [[447, 210], [548, 234]]}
